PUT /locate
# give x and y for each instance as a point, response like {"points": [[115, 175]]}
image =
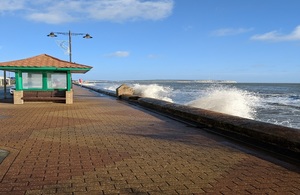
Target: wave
{"points": [[295, 97], [228, 100], [153, 91], [218, 98], [112, 87], [284, 105], [268, 103]]}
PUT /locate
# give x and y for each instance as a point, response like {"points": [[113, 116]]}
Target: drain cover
{"points": [[3, 154]]}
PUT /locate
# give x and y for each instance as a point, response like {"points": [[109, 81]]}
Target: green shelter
{"points": [[43, 78]]}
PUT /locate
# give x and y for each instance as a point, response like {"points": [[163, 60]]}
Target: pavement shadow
{"points": [[7, 100]]}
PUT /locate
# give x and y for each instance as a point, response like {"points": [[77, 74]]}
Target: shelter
{"points": [[43, 78]]}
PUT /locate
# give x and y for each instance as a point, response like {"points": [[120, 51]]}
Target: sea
{"points": [[276, 103]]}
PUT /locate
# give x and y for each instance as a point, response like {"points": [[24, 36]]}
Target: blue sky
{"points": [[241, 40]]}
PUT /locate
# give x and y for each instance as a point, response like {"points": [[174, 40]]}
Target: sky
{"points": [[240, 40]]}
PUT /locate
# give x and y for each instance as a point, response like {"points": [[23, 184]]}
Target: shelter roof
{"points": [[44, 62]]}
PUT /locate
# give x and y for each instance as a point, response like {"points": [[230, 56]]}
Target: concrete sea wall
{"points": [[274, 138]]}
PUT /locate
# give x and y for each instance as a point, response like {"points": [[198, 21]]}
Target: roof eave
{"points": [[72, 70]]}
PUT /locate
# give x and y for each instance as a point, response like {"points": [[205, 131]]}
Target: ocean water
{"points": [[276, 103]]}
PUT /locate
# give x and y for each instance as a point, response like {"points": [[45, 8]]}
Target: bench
{"points": [[55, 95]]}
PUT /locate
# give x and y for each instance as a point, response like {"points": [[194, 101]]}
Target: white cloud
{"points": [[188, 28], [11, 5], [153, 56], [230, 31], [51, 17], [119, 54], [276, 36], [120, 10], [62, 11]]}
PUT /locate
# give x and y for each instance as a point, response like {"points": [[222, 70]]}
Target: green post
{"points": [[18, 75], [69, 81], [45, 81]]}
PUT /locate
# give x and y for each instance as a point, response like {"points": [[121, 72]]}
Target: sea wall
{"points": [[103, 91], [272, 137], [275, 138]]}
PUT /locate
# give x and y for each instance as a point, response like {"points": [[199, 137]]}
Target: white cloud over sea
{"points": [[277, 36], [119, 54], [230, 31], [63, 11]]}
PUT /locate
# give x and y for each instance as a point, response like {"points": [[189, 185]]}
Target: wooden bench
{"points": [[55, 95]]}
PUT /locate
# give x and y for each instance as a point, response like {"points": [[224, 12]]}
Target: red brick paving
{"points": [[99, 145]]}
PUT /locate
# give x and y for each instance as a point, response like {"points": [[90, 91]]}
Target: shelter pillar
{"points": [[18, 95], [69, 97]]}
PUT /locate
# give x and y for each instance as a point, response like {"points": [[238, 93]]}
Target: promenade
{"points": [[100, 145]]}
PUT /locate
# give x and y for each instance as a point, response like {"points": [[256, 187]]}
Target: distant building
{"points": [[8, 81]]}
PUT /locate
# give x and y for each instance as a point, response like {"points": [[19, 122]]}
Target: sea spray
{"points": [[228, 100], [276, 103], [153, 91], [112, 87]]}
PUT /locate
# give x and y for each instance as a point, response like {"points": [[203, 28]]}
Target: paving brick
{"points": [[99, 145]]}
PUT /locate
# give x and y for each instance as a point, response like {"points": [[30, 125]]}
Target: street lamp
{"points": [[86, 36]]}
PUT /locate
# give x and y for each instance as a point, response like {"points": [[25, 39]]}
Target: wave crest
{"points": [[228, 100], [153, 91]]}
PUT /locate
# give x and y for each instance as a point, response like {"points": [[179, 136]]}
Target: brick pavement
{"points": [[99, 145]]}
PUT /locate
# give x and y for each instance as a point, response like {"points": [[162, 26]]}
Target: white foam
{"points": [[112, 87], [153, 91], [228, 100]]}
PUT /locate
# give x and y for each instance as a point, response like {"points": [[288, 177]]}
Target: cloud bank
{"points": [[63, 11], [277, 36]]}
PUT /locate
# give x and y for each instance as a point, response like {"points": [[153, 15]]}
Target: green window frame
{"points": [[32, 80], [47, 81], [56, 80]]}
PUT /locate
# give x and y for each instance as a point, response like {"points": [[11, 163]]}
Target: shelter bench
{"points": [[55, 95]]}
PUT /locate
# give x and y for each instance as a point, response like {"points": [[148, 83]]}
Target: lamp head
{"points": [[52, 35], [87, 36]]}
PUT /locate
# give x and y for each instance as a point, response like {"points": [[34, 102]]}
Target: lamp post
{"points": [[4, 75], [70, 34]]}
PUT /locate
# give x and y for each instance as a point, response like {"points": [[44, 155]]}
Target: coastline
{"points": [[270, 137], [103, 145]]}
